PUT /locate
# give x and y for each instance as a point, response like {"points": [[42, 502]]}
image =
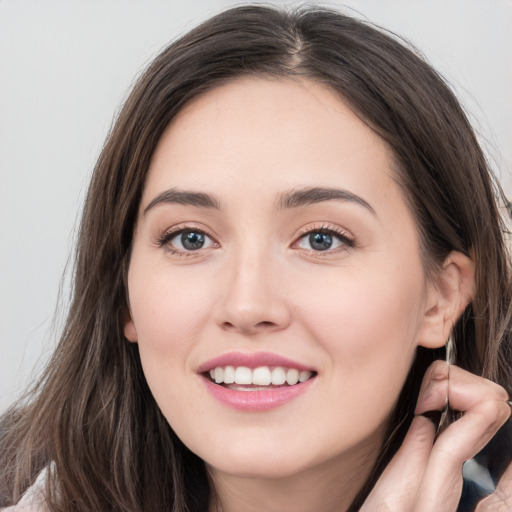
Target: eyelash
{"points": [[347, 242], [165, 238]]}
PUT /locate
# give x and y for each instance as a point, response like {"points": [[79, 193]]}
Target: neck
{"points": [[329, 487]]}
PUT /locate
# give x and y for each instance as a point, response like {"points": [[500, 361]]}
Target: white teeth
{"points": [[243, 375], [219, 375], [261, 376], [292, 376], [278, 376], [229, 375], [304, 375]]}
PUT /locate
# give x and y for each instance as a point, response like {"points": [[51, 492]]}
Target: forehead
{"points": [[272, 131]]}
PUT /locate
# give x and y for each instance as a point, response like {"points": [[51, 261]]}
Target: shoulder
{"points": [[33, 500]]}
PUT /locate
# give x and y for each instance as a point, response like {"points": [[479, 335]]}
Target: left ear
{"points": [[448, 294]]}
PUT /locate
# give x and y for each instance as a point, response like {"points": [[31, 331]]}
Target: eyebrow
{"points": [[185, 197], [313, 195], [287, 200]]}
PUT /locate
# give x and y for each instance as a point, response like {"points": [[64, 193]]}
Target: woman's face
{"points": [[273, 244]]}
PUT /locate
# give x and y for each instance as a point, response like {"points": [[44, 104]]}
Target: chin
{"points": [[263, 460], [258, 467]]}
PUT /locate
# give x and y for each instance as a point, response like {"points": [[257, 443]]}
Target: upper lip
{"points": [[251, 360]]}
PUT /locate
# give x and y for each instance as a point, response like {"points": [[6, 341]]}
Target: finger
{"points": [[441, 486], [483, 403], [398, 485], [485, 410], [466, 389], [463, 439], [433, 393], [443, 382]]}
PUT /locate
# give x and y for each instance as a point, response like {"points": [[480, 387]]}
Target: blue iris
{"points": [[192, 240], [320, 241]]}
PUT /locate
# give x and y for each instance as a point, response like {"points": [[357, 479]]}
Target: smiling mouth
{"points": [[243, 378]]}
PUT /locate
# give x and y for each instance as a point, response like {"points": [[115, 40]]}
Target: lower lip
{"points": [[257, 400]]}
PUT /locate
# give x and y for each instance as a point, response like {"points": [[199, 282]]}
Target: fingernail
{"points": [[440, 371]]}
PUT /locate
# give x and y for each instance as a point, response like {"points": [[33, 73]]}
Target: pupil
{"points": [[192, 241], [320, 241]]}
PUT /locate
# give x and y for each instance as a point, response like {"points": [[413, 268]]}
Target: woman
{"points": [[288, 222]]}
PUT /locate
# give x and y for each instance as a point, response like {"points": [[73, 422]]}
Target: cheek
{"points": [[169, 313], [169, 309], [363, 309], [367, 324]]}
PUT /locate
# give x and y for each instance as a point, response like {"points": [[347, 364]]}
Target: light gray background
{"points": [[65, 67]]}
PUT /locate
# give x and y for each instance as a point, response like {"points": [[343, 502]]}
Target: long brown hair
{"points": [[92, 415]]}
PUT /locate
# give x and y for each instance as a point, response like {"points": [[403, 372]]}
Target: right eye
{"points": [[191, 240], [186, 241]]}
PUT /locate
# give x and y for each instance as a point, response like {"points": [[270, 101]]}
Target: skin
{"points": [[355, 313]]}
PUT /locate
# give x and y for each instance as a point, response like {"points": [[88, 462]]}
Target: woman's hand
{"points": [[425, 475]]}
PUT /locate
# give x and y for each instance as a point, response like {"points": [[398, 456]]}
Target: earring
{"points": [[450, 351], [448, 415]]}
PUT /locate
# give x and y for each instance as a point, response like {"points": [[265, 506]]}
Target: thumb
{"points": [[397, 487]]}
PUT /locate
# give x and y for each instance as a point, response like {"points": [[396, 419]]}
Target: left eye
{"points": [[322, 241], [191, 240]]}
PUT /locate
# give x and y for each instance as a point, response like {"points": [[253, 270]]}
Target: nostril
{"points": [[249, 328], [265, 324]]}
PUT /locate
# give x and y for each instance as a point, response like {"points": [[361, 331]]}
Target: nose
{"points": [[253, 299]]}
